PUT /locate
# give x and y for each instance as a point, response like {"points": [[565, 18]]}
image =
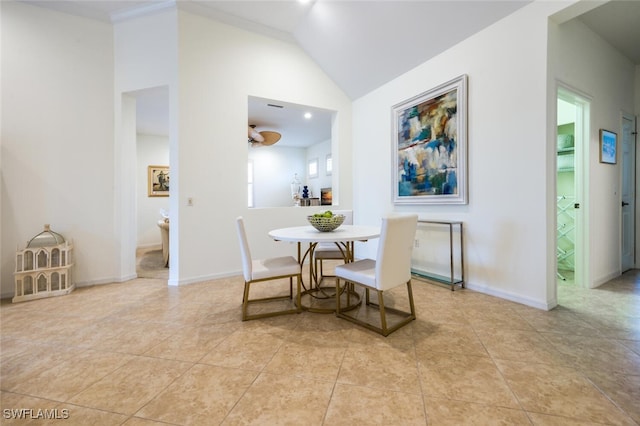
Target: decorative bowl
{"points": [[326, 224]]}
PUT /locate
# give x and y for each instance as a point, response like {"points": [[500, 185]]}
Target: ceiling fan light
{"points": [[254, 135], [270, 137]]}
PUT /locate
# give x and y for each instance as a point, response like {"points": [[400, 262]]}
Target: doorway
{"points": [[628, 208], [571, 218], [144, 143]]}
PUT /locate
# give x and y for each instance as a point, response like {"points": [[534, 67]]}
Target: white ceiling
{"points": [[152, 111], [359, 44], [363, 44], [618, 22], [288, 120]]}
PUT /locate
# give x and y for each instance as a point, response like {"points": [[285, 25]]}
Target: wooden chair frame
{"points": [[391, 269], [246, 301], [268, 269], [385, 330]]}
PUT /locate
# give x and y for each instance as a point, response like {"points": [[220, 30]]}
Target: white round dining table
{"points": [[309, 234]]}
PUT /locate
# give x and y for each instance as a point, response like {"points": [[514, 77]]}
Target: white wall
{"points": [[59, 68], [510, 218], [57, 137], [273, 170], [217, 74], [145, 57], [587, 63], [275, 167], [151, 150], [78, 77], [318, 151], [505, 220]]}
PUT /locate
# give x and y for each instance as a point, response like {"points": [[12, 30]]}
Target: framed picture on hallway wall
{"points": [[430, 146], [158, 181], [608, 146], [326, 196]]}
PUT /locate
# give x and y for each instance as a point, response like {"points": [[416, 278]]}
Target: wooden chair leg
{"points": [[347, 289], [245, 300], [299, 294], [411, 304], [384, 328], [337, 296], [291, 288], [383, 314]]}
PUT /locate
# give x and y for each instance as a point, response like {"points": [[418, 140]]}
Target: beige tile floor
{"points": [[142, 353]]}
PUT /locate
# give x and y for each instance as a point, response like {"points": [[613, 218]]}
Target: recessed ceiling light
{"points": [[307, 115]]}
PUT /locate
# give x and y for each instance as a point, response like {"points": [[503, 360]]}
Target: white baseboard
{"points": [[605, 279], [90, 283], [103, 281], [534, 303], [202, 278]]}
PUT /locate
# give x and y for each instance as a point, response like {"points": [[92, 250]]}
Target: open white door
{"points": [[572, 248], [628, 208]]}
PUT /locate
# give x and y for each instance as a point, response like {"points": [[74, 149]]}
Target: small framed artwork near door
{"points": [[158, 181], [608, 147]]}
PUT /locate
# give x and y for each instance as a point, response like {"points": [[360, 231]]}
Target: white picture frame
{"points": [[430, 146]]}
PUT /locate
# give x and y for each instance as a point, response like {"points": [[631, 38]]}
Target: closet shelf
{"points": [[565, 233], [566, 160], [566, 151]]}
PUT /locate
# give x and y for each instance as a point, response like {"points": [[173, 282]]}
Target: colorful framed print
{"points": [[430, 146], [608, 146]]}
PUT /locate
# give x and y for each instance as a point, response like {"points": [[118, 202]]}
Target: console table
{"points": [[451, 279]]}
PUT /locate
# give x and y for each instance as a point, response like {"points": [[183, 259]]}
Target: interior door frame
{"points": [[633, 154], [581, 180]]}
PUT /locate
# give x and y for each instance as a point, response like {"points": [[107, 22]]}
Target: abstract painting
{"points": [[430, 146]]}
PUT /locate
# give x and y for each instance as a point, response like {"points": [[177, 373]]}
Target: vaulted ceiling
{"points": [[363, 44], [359, 44]]}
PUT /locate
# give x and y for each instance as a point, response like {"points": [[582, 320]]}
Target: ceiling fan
{"points": [[264, 138]]}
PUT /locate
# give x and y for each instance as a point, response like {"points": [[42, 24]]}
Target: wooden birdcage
{"points": [[43, 268]]}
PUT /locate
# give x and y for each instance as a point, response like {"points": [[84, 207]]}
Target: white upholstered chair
{"points": [[330, 251], [269, 269], [392, 268], [164, 235]]}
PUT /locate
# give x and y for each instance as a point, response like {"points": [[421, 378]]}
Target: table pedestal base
{"points": [[322, 299], [315, 296]]}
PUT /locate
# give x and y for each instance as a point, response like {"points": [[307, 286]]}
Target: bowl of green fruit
{"points": [[326, 221]]}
